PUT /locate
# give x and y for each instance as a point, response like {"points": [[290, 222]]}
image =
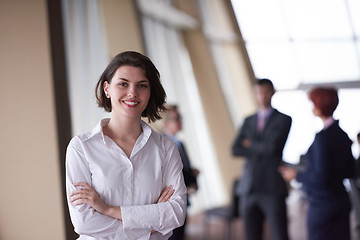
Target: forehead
{"points": [[130, 73]]}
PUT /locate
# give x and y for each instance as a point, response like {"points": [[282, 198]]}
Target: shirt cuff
{"points": [[140, 220]]}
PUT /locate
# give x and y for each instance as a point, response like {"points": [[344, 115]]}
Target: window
{"points": [[301, 43], [165, 47]]}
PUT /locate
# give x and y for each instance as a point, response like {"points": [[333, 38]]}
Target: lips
{"points": [[131, 104]]}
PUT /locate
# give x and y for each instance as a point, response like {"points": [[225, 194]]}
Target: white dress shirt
{"points": [[133, 183]]}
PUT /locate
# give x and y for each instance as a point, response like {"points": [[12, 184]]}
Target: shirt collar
{"points": [[265, 112], [147, 130], [103, 122], [98, 129]]}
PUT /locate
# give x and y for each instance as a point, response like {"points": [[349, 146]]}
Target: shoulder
{"points": [[282, 116], [78, 141], [163, 147], [250, 118], [160, 141], [333, 132]]}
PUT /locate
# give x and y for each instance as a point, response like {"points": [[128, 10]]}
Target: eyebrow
{"points": [[141, 81]]}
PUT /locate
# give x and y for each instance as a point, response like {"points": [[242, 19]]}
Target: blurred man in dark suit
{"points": [[263, 191]]}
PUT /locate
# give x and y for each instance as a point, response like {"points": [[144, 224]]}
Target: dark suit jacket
{"points": [[264, 156], [329, 160], [189, 177]]}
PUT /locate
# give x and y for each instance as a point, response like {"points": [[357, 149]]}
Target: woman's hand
{"points": [[166, 194], [246, 143], [288, 173], [86, 194]]}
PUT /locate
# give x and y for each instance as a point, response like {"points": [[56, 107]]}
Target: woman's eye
{"points": [[123, 84], [143, 86]]}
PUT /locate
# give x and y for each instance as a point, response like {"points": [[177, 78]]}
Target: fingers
{"points": [[166, 194], [82, 185], [79, 200], [163, 194], [83, 193]]}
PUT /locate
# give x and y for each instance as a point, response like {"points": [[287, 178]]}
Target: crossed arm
{"points": [[91, 216], [247, 145], [85, 194]]}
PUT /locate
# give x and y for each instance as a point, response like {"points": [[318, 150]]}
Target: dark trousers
{"points": [[256, 208], [328, 224]]}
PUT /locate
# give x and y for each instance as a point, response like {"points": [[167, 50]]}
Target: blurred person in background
{"points": [[263, 191], [124, 180], [329, 161], [355, 191], [172, 124]]}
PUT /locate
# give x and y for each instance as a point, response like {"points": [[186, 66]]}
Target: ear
{"points": [[106, 87]]}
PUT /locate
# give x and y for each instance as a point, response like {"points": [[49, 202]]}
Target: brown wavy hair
{"points": [[157, 93]]}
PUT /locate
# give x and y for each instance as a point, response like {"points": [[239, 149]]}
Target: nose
{"points": [[131, 92]]}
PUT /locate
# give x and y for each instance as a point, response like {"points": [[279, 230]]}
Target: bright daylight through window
{"points": [[301, 43]]}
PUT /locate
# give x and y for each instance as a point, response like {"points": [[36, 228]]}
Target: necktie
{"points": [[261, 122]]}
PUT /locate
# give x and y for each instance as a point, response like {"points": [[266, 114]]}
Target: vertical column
{"points": [[215, 106]]}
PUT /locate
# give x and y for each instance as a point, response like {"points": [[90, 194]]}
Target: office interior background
{"points": [[208, 52]]}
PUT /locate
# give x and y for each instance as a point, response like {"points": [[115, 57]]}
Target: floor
{"points": [[217, 228]]}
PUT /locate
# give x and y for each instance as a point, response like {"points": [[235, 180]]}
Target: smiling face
{"points": [[129, 91]]}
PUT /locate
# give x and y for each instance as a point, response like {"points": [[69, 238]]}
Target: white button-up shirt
{"points": [[133, 183]]}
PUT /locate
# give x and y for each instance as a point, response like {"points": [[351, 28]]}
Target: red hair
{"points": [[325, 99]]}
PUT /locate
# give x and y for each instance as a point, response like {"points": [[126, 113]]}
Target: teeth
{"points": [[131, 103]]}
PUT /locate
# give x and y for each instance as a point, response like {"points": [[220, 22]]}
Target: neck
{"points": [[123, 128], [264, 107], [324, 119], [327, 121]]}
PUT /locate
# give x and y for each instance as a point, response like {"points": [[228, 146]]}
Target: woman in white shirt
{"points": [[124, 180]]}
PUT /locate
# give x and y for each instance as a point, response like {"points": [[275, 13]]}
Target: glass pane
{"points": [[328, 61], [354, 8], [318, 19], [274, 61], [304, 124], [260, 19], [349, 118], [358, 54]]}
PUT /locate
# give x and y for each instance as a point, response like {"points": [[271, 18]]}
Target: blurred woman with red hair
{"points": [[325, 101], [329, 160]]}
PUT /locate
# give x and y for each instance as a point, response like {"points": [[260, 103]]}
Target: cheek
{"points": [[258, 97], [147, 95]]}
